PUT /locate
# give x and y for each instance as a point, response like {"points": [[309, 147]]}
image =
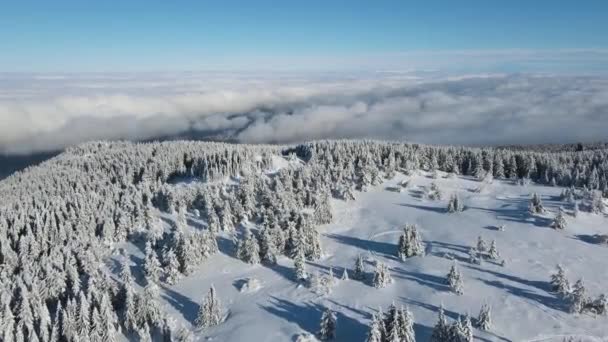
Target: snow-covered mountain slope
{"points": [[523, 305], [115, 241]]}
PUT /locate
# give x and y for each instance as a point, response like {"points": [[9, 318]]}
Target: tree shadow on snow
{"points": [[181, 303], [595, 239], [308, 315], [439, 210], [385, 249], [539, 284], [548, 301], [435, 282]]}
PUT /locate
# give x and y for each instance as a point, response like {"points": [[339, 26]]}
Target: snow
{"points": [[266, 304]]}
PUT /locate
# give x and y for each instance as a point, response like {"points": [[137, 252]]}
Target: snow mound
{"points": [[248, 285]]}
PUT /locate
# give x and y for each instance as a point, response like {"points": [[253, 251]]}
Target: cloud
{"points": [[41, 113]]}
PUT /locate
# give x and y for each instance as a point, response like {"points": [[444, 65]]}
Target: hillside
{"points": [[115, 240]]}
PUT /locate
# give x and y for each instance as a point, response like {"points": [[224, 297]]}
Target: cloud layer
{"points": [[48, 112]]}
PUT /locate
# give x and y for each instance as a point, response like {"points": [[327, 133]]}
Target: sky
{"points": [[462, 72], [135, 35]]}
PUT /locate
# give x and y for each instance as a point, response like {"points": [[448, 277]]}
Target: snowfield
{"points": [[266, 303]]}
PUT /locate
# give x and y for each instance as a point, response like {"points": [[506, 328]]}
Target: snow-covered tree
{"points": [[493, 251], [327, 330], [578, 297], [559, 282], [455, 204], [210, 311], [441, 331], [172, 273], [300, 267], [559, 223], [454, 280], [382, 275], [481, 245], [152, 266], [375, 333], [410, 243], [248, 248], [484, 319], [344, 274], [359, 272], [536, 205]]}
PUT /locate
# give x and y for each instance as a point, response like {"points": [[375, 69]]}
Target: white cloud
{"points": [[40, 113]]}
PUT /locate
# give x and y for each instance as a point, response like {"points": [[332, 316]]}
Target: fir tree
{"points": [[559, 282], [210, 311], [359, 273], [484, 320], [578, 297], [152, 266], [300, 267], [327, 330], [493, 251], [375, 329], [559, 223], [441, 331], [172, 273], [382, 275], [454, 280], [248, 249], [455, 204]]}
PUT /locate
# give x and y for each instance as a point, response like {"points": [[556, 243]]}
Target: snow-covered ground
{"points": [[277, 308]]}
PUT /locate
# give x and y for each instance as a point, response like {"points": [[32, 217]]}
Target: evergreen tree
{"points": [[375, 329], [455, 204], [248, 248], [578, 297], [493, 251], [559, 282], [210, 311], [268, 250], [559, 223], [359, 268], [152, 266], [454, 280], [327, 330], [344, 274], [484, 320], [172, 273], [441, 331], [536, 205], [300, 267], [409, 243], [382, 275]]}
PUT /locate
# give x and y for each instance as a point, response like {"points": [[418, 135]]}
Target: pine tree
{"points": [[474, 256], [172, 273], [359, 268], [559, 223], [466, 329], [248, 249], [344, 274], [406, 318], [375, 329], [152, 266], [493, 251], [455, 204], [536, 205], [409, 243], [454, 280], [382, 275], [559, 282], [441, 331], [481, 245], [268, 250], [327, 329], [300, 267], [210, 312], [578, 297], [484, 320]]}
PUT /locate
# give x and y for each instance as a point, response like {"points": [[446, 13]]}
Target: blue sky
{"points": [[73, 36]]}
